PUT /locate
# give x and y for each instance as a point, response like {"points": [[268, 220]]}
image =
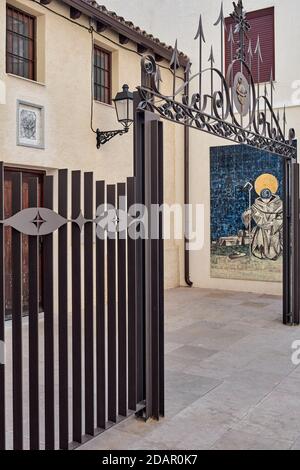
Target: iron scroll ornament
{"points": [[40, 221], [234, 108]]}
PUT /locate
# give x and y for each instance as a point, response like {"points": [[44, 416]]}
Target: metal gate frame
{"points": [[214, 113], [149, 174]]}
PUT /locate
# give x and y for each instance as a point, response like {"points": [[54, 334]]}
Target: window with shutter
{"points": [[20, 43], [262, 25]]}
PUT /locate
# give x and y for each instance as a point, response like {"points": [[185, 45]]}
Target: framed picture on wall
{"points": [[30, 125]]}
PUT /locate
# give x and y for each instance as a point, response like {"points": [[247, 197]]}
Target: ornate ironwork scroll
{"points": [[105, 136], [234, 108], [39, 221]]}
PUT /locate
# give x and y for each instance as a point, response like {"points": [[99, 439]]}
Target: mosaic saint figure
{"points": [[267, 213]]}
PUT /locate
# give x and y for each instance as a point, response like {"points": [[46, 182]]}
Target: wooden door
{"points": [[26, 175]]}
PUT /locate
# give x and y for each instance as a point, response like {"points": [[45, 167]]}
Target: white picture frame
{"points": [[30, 125]]}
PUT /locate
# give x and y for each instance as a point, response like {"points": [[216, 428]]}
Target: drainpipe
{"points": [[187, 185]]}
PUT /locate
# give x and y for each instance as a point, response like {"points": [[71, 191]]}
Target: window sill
{"points": [[25, 79], [104, 104]]}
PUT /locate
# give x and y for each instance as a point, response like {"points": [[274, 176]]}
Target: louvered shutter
{"points": [[262, 25]]}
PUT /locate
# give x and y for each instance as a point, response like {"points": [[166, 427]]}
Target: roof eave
{"points": [[120, 28]]}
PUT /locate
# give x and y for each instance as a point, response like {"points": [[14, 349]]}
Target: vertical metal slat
{"points": [[132, 320], [286, 244], [295, 248], [100, 316], [161, 274], [17, 317], [49, 323], [89, 305], [63, 312], [34, 422], [76, 308], [112, 331], [155, 274], [122, 311]]}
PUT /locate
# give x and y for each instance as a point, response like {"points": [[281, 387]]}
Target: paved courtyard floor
{"points": [[230, 381]]}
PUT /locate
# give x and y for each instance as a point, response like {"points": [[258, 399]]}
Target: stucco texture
{"points": [[63, 88]]}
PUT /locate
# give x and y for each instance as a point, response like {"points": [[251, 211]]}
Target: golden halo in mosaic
{"points": [[266, 181]]}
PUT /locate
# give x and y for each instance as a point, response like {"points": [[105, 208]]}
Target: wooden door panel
{"points": [[25, 240]]}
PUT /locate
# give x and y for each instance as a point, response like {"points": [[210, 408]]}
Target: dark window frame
{"points": [[252, 15], [108, 70], [30, 76]]}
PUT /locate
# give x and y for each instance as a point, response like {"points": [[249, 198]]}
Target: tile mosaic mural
{"points": [[246, 214]]}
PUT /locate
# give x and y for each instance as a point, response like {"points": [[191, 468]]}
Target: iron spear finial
{"points": [[284, 121], [231, 35], [174, 64], [201, 37], [250, 50], [211, 57], [272, 80], [221, 21], [284, 115], [200, 31], [258, 49], [272, 93], [158, 75], [188, 67], [221, 18], [266, 90]]}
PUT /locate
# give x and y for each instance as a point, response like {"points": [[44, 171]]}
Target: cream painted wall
{"points": [[155, 15], [64, 89]]}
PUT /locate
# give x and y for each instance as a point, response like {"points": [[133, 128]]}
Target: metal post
{"points": [[295, 244], [287, 294], [140, 277], [148, 172], [2, 312]]}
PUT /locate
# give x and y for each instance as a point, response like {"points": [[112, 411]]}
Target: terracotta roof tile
{"points": [[131, 25]]}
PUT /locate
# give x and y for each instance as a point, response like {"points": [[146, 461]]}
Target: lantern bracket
{"points": [[105, 136]]}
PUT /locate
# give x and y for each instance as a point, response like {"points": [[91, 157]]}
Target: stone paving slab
{"points": [[230, 382], [237, 440]]}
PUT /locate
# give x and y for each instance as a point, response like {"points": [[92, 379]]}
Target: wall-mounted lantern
{"points": [[124, 109]]}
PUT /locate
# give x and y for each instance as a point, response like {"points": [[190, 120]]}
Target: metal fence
{"points": [[71, 363]]}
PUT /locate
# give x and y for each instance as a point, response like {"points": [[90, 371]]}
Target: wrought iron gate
{"points": [[233, 107], [80, 376]]}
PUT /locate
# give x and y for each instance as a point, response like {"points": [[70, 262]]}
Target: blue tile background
{"points": [[230, 169]]}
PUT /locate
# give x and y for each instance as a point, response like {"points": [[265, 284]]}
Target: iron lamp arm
{"points": [[103, 137]]}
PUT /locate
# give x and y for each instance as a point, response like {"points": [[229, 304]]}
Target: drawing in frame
{"points": [[30, 125]]}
